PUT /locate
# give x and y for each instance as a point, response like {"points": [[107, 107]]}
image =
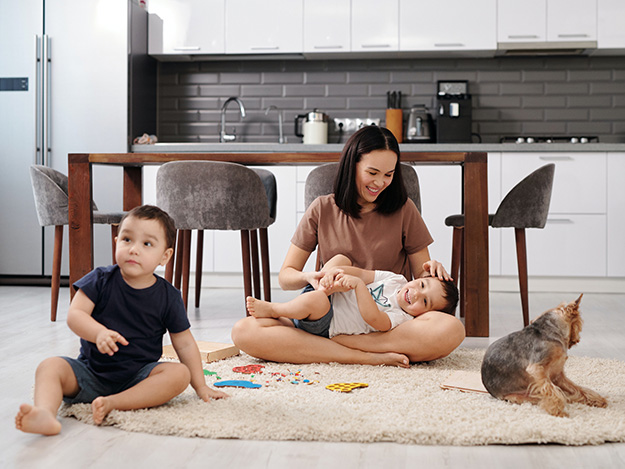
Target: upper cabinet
{"points": [[186, 27], [610, 24], [267, 27], [546, 21], [327, 26], [447, 25], [375, 25]]}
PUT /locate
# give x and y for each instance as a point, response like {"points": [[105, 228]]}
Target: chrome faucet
{"points": [[223, 136], [281, 138]]}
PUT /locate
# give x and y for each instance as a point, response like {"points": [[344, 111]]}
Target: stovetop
{"points": [[550, 139]]}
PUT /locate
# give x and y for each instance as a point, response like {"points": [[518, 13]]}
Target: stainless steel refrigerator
{"points": [[70, 71]]}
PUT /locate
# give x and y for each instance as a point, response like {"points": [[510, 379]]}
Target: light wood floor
{"points": [[29, 336]]}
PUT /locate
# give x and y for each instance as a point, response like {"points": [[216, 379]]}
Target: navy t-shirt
{"points": [[141, 316]]}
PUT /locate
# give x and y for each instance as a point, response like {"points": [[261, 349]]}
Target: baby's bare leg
{"points": [[311, 305], [54, 379], [165, 382]]}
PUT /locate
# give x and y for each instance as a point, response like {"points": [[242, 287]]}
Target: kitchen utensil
{"points": [[419, 128], [395, 123], [315, 127]]}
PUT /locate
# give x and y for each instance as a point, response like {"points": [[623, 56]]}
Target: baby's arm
{"points": [[81, 322], [366, 304], [186, 349]]}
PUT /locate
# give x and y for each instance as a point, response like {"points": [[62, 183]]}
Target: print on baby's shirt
{"points": [[378, 297]]}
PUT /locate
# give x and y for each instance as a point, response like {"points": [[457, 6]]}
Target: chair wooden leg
{"points": [[457, 263], [198, 266], [255, 263], [462, 275], [264, 256], [521, 254], [245, 256], [179, 256], [186, 266], [114, 231], [56, 271]]}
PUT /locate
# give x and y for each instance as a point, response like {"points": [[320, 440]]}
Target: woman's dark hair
{"points": [[365, 141]]}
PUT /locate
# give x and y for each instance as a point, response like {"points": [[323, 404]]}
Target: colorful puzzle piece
{"points": [[345, 387], [248, 369], [237, 384]]}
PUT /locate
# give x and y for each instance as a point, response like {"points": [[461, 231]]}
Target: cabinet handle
{"points": [[375, 46], [451, 44], [265, 48], [560, 221], [328, 47], [522, 36], [187, 48], [572, 36], [555, 158]]}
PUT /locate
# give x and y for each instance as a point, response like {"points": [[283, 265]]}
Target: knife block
{"points": [[395, 123]]}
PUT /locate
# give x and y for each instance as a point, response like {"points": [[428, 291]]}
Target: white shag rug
{"points": [[399, 405]]}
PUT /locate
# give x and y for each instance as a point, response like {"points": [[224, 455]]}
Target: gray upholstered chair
{"points": [[208, 195], [320, 181], [525, 206], [51, 202]]}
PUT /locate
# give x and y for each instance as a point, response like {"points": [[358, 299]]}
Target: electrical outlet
{"points": [[350, 125]]}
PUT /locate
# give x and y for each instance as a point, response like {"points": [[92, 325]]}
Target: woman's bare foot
{"points": [[37, 420], [100, 407], [391, 359], [259, 308]]}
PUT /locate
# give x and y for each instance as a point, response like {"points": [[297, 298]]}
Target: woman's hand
{"points": [[436, 269]]}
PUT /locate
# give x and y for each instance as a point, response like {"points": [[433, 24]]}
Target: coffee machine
{"points": [[453, 111]]}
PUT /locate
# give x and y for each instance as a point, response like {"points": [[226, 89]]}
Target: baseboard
{"points": [[497, 283]]}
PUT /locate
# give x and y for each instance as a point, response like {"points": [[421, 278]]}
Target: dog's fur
{"points": [[528, 365]]}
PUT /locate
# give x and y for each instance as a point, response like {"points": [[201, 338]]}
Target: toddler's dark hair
{"points": [[151, 212], [450, 295]]}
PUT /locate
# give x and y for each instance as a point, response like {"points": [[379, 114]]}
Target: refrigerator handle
{"points": [[38, 98], [45, 102]]}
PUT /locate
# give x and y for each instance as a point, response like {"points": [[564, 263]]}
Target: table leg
{"points": [[475, 282], [132, 187], [80, 218]]}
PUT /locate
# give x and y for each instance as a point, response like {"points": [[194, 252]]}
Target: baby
{"points": [[357, 301], [121, 313]]}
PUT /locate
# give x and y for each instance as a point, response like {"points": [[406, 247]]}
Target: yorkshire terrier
{"points": [[528, 365]]}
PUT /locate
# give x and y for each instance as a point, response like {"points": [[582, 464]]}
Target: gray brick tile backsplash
{"points": [[511, 95]]}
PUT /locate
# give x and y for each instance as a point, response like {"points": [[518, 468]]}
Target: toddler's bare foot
{"points": [[259, 308], [100, 407], [37, 420], [391, 359]]}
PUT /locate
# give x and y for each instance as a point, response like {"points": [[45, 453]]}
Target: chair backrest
{"points": [[50, 191], [320, 181], [212, 195], [527, 203]]}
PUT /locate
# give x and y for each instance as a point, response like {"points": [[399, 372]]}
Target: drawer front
{"points": [[569, 245], [579, 182]]}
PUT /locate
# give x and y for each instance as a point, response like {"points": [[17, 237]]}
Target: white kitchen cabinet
{"points": [[616, 215], [571, 20], [521, 21], [327, 26], [447, 25], [573, 240], [546, 21], [267, 27], [186, 27], [375, 25], [610, 19]]}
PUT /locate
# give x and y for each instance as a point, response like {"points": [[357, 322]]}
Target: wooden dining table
{"points": [[474, 286]]}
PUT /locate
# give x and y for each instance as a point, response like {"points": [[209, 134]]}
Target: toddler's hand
{"points": [[327, 281], [206, 394], [107, 340], [346, 282], [436, 269]]}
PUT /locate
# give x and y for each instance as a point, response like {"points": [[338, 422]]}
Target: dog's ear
{"points": [[579, 300]]}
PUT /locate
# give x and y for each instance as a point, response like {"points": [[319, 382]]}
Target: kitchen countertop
{"points": [[244, 147]]}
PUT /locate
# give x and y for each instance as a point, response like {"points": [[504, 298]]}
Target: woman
{"points": [[370, 219]]}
